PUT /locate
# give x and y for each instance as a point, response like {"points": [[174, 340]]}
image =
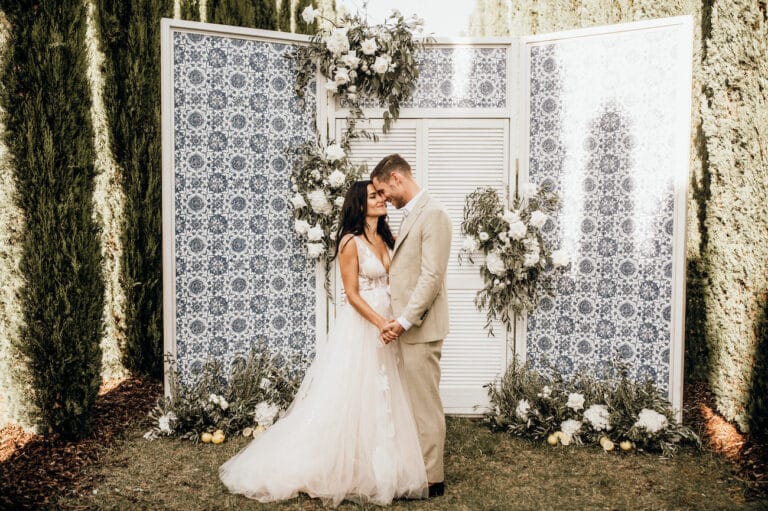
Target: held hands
{"points": [[391, 331]]}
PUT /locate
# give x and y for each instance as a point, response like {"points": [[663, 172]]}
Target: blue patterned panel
{"points": [[241, 273], [459, 77], [603, 135]]}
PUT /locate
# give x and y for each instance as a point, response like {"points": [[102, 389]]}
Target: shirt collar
{"points": [[411, 203]]}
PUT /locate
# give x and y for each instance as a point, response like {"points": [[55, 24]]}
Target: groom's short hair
{"points": [[389, 164]]}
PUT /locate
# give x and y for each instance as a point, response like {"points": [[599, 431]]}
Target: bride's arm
{"points": [[348, 264]]}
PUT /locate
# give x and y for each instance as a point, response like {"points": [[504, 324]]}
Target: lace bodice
{"points": [[372, 274]]}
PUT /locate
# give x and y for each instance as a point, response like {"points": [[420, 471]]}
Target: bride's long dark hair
{"points": [[353, 216]]}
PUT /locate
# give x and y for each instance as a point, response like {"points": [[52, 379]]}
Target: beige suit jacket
{"points": [[417, 272]]}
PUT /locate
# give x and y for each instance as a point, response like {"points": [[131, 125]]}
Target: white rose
{"points": [[495, 264], [352, 88], [334, 152], [523, 406], [368, 46], [351, 60], [309, 14], [598, 416], [517, 230], [651, 420], [342, 76], [337, 43], [483, 236], [538, 219], [265, 413], [528, 190], [560, 258], [530, 259], [315, 233], [319, 202], [298, 201], [511, 217], [381, 65], [570, 427], [336, 179], [575, 401], [339, 202], [546, 391], [301, 226], [504, 237], [469, 245], [223, 403], [331, 86], [213, 398], [264, 383], [566, 438], [315, 250]]}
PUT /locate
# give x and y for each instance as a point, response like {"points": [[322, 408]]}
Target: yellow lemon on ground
{"points": [[258, 430], [206, 438], [552, 439], [218, 432], [217, 439], [558, 435], [626, 445], [607, 444], [248, 432]]}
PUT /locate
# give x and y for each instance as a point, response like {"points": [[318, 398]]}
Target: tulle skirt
{"points": [[349, 434]]}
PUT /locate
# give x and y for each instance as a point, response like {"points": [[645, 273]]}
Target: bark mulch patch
{"points": [[35, 469], [747, 452]]}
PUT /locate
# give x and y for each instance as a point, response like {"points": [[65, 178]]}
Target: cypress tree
{"points": [[284, 16], [130, 34], [50, 137], [301, 26], [244, 13], [190, 10]]}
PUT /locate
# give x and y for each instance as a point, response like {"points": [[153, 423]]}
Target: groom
{"points": [[420, 303]]}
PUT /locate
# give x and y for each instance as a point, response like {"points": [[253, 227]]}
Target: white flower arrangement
{"points": [[321, 181], [598, 417], [624, 415], [651, 420], [516, 254], [356, 58]]}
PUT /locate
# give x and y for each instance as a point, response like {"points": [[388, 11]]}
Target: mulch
{"points": [[35, 470], [748, 453]]}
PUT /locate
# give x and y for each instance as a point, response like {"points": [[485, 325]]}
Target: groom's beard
{"points": [[397, 202]]}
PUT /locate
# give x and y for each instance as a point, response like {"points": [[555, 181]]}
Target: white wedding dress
{"points": [[349, 433]]}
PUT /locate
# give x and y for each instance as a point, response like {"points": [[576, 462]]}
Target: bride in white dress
{"points": [[349, 433]]}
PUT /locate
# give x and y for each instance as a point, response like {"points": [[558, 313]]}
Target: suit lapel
{"points": [[410, 220]]}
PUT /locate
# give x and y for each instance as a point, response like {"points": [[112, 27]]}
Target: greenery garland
{"points": [[518, 262]]}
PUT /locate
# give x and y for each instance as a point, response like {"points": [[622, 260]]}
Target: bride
{"points": [[349, 433]]}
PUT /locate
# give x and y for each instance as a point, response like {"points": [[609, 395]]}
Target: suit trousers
{"points": [[420, 370]]}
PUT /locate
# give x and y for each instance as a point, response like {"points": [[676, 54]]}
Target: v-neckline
{"points": [[370, 249]]}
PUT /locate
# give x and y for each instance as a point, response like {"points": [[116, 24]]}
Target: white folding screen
{"points": [[229, 112]]}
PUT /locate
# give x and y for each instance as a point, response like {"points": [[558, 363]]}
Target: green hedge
{"points": [[49, 134], [130, 35], [244, 13]]}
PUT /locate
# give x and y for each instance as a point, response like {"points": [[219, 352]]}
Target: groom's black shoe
{"points": [[436, 489]]}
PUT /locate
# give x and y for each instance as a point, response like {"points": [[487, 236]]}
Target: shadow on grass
{"points": [[39, 471]]}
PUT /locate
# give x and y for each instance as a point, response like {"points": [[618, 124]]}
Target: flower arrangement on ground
{"points": [[583, 409], [517, 257], [361, 60], [259, 388]]}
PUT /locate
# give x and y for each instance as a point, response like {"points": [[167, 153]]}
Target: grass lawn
{"points": [[484, 472]]}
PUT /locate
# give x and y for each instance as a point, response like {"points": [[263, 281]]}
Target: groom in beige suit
{"points": [[419, 301]]}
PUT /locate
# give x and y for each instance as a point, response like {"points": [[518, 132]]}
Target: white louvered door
{"points": [[450, 158], [459, 156]]}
